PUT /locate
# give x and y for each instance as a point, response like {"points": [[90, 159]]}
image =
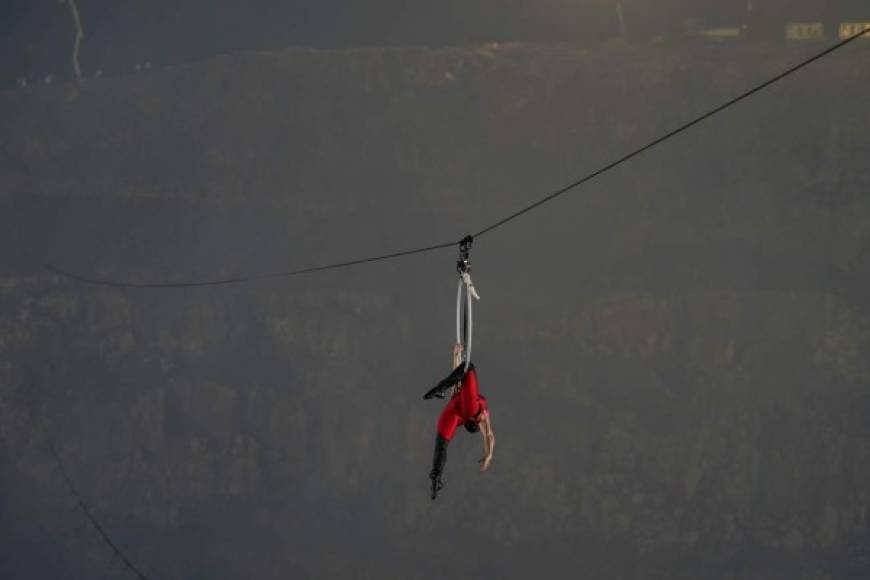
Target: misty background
{"points": [[675, 356], [36, 37]]}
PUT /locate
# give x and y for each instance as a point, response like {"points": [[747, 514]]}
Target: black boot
{"points": [[444, 385], [438, 462]]}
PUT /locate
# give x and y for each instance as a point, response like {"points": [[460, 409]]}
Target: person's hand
{"points": [[484, 462]]}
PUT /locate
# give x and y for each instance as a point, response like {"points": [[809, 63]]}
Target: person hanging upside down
{"points": [[467, 407]]}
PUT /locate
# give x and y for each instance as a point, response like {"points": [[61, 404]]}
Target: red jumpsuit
{"points": [[467, 404]]}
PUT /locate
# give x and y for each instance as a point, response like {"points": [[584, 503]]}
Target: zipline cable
{"points": [[242, 279], [94, 522], [673, 133], [486, 230], [92, 519]]}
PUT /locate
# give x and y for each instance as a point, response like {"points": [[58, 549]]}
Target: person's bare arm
{"points": [[457, 356], [488, 441]]}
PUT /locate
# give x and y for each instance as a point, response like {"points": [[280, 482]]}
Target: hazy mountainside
{"points": [[675, 357]]}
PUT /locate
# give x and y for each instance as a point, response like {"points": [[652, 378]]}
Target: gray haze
{"points": [[675, 356], [36, 36]]}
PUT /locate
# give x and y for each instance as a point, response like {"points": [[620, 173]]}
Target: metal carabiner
{"points": [[464, 263]]}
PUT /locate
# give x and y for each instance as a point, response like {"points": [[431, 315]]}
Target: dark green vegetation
{"points": [[676, 357]]}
